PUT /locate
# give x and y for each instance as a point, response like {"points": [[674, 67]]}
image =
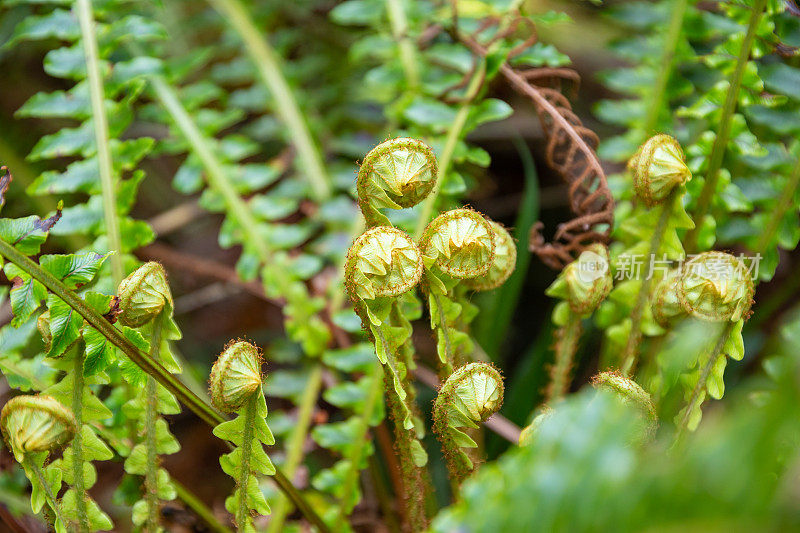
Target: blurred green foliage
{"points": [[587, 470]]}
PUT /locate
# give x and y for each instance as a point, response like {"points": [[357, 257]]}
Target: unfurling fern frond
{"points": [[470, 395], [235, 386], [146, 304]]}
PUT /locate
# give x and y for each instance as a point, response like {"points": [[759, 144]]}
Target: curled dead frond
{"points": [[570, 145]]}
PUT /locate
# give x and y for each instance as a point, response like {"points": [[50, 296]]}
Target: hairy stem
{"points": [[413, 485], [267, 63], [566, 346], [294, 445], [77, 442], [453, 136], [664, 69], [723, 128], [242, 510], [716, 352], [153, 368], [631, 351], [202, 409], [785, 202], [408, 52], [151, 415], [48, 494], [100, 121]]}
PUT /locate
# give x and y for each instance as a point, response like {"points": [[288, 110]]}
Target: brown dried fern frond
{"points": [[570, 145]]}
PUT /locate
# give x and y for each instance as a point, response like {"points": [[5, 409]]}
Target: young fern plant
{"points": [[729, 96], [460, 250], [396, 174], [145, 303], [470, 395], [61, 326], [648, 236], [630, 393], [716, 288], [235, 386], [456, 245], [382, 265], [71, 346], [581, 286], [33, 427], [659, 172], [77, 349]]}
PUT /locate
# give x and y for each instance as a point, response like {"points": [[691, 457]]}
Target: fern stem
{"points": [[267, 63], [785, 202], [631, 351], [202, 409], [77, 441], [294, 445], [716, 352], [151, 415], [413, 485], [153, 368], [453, 136], [664, 69], [242, 510], [720, 145], [217, 177], [48, 494], [399, 24], [100, 121], [566, 347]]}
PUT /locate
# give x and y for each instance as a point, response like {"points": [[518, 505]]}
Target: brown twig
{"points": [[174, 219]]}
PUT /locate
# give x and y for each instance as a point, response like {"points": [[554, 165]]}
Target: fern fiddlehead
{"points": [[145, 302], [470, 395], [235, 386], [582, 286], [382, 265], [528, 433], [396, 174], [456, 245], [713, 287], [503, 263], [34, 426], [659, 173], [630, 393]]}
